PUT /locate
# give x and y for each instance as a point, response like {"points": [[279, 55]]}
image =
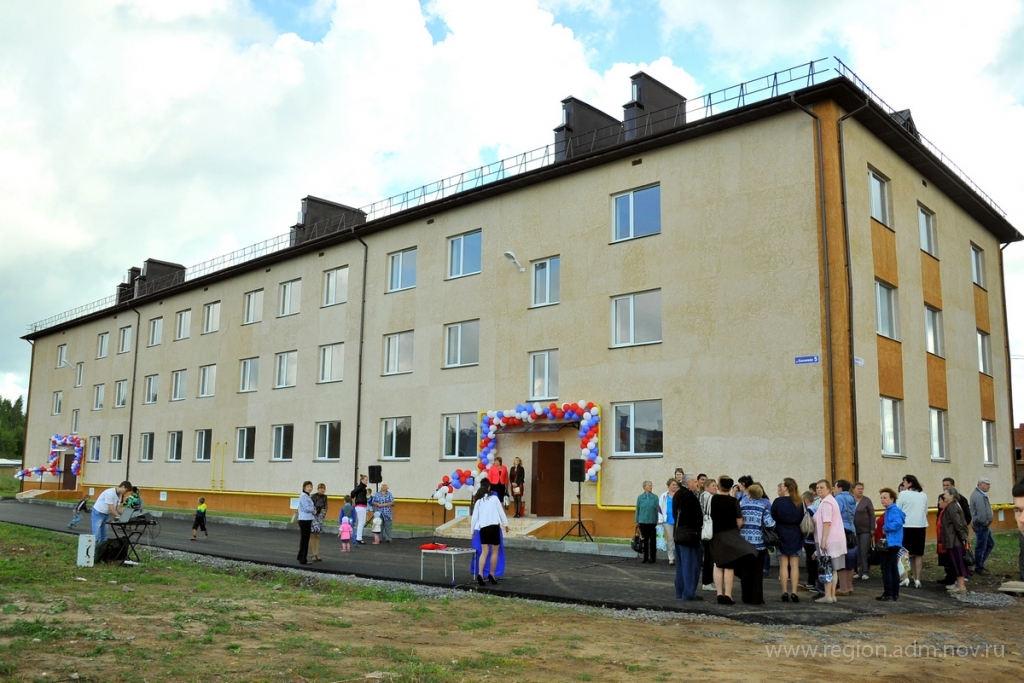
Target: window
{"points": [[933, 330], [124, 340], [397, 439], [97, 396], [120, 393], [978, 266], [544, 374], [460, 435], [174, 446], [291, 293], [253, 307], [246, 443], [403, 270], [332, 363], [62, 355], [102, 344], [74, 421], [156, 331], [211, 317], [892, 425], [79, 374], [398, 353], [249, 374], [988, 441], [639, 428], [464, 254], [285, 367], [878, 186], [463, 344], [94, 449], [283, 442], [984, 353], [637, 213], [336, 286], [546, 281], [207, 380], [926, 223], [116, 441], [146, 454], [939, 434], [636, 318], [328, 441], [886, 314], [152, 386], [182, 324], [204, 441], [178, 378], [58, 402]]}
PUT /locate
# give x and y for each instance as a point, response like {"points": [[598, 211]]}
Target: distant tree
{"points": [[12, 428]]}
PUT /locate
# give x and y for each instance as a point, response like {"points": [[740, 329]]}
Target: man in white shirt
{"points": [[108, 504]]}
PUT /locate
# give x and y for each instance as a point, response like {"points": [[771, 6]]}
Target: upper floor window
{"points": [[146, 449], [182, 324], [978, 265], [879, 188], [207, 380], [984, 353], [156, 331], [249, 374], [332, 363], [464, 254], [204, 443], [62, 355], [933, 331], [926, 224], [152, 386], [102, 344], [253, 312], [397, 438], [121, 393], [74, 421], [174, 446], [283, 438], [939, 434], [892, 425], [58, 402], [328, 440], [639, 428], [79, 374], [546, 281], [211, 317], [286, 365], [636, 318], [178, 379], [116, 440], [124, 340], [403, 270], [637, 213], [988, 442], [398, 350], [460, 435], [335, 286], [886, 314], [97, 396], [291, 293], [462, 341], [544, 374]]}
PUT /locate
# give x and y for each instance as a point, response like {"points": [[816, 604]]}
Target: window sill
{"points": [[246, 391], [894, 456], [173, 461], [455, 367], [394, 459], [544, 398], [243, 460], [626, 346], [980, 372], [941, 460], [285, 386], [458, 458], [179, 338], [326, 461], [201, 461], [205, 396], [274, 461], [205, 332], [336, 303], [145, 462], [636, 455], [251, 322], [885, 336], [287, 315], [463, 275], [115, 462], [392, 374], [175, 400], [980, 286], [149, 346], [116, 407], [400, 289], [633, 237], [100, 357], [330, 381], [990, 464], [547, 305]]}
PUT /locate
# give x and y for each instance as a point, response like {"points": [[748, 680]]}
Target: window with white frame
{"points": [[156, 331], [246, 443], [79, 374], [978, 265], [332, 362], [335, 286], [290, 297], [988, 442], [933, 338], [74, 421], [328, 440], [248, 374], [120, 393], [544, 374], [207, 380], [94, 449], [396, 441], [891, 420], [402, 265], [204, 444], [182, 324], [547, 281], [398, 350], [637, 213], [178, 379], [124, 340], [62, 355], [146, 447], [253, 312], [211, 317], [984, 353], [636, 318], [460, 435], [283, 437], [878, 187], [285, 369], [97, 396], [462, 344], [116, 443], [58, 402], [174, 446], [152, 383], [639, 429], [464, 254], [886, 313], [939, 434], [102, 344], [926, 225]]}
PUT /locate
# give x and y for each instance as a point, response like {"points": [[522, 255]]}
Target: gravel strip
{"points": [[977, 599]]}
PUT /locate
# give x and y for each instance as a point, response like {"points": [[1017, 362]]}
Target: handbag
{"points": [[771, 538], [968, 555], [882, 544], [806, 524], [825, 569], [688, 538], [851, 541], [874, 557], [638, 543], [707, 527], [517, 489]]}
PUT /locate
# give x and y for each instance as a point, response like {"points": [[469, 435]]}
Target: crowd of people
{"points": [[362, 505]]}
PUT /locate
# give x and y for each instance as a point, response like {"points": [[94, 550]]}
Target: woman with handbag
{"points": [[757, 521], [666, 517], [830, 538], [788, 512], [707, 570], [517, 481], [954, 538], [646, 517], [729, 551]]}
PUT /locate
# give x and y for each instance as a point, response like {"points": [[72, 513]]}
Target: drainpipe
{"points": [[131, 403], [359, 380]]}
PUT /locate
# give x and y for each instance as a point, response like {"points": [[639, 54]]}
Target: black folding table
{"points": [[130, 533]]}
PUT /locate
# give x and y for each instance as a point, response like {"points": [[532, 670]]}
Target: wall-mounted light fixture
{"points": [[512, 258]]}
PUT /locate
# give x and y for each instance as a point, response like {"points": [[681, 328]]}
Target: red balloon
{"points": [[575, 408], [533, 416], [451, 489], [553, 406], [590, 405], [445, 479]]}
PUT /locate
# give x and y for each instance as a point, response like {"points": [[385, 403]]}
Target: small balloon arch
{"points": [[57, 443], [587, 413]]}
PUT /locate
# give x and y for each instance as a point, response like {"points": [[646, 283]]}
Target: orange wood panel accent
{"points": [[988, 397], [890, 367], [981, 309], [937, 397], [883, 249], [931, 280]]}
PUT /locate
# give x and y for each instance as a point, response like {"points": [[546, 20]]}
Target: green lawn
{"points": [[9, 485]]}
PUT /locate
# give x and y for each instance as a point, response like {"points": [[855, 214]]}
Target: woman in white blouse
{"points": [[914, 504], [488, 518]]}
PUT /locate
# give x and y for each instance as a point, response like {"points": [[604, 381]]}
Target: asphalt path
{"points": [[617, 582]]}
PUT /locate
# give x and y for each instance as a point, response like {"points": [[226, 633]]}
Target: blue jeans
{"points": [[75, 520], [984, 545], [688, 567], [99, 526]]}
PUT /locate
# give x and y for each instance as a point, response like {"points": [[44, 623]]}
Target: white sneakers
{"points": [[917, 584], [905, 582], [864, 577], [709, 587]]}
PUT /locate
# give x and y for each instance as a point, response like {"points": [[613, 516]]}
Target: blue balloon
{"points": [[456, 484], [500, 414], [469, 482]]}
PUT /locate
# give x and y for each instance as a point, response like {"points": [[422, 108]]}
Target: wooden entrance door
{"points": [[69, 482], [547, 480]]}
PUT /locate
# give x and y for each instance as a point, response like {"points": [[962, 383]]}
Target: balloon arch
{"points": [[587, 413], [57, 442]]}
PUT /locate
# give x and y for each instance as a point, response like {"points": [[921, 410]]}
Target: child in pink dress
{"points": [[345, 534]]}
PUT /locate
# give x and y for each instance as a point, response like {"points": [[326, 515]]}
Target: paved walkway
{"points": [[554, 576]]}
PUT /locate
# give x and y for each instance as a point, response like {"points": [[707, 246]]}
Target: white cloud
{"points": [[12, 386]]}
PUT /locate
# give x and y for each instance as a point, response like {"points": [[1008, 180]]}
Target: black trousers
{"points": [[647, 533], [304, 526], [812, 564], [707, 573], [751, 577]]}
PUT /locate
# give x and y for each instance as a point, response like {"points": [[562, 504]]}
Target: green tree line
{"points": [[12, 428]]}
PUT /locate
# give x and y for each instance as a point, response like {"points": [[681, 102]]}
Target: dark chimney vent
{"points": [[655, 107], [906, 122], [319, 217], [584, 129]]}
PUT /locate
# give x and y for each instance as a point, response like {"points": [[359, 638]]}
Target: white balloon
{"points": [[594, 469], [584, 452], [491, 413], [448, 506], [586, 416], [599, 460], [592, 444], [440, 501], [537, 407], [595, 410]]}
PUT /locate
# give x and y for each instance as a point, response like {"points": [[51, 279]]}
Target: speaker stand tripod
{"points": [[581, 531]]}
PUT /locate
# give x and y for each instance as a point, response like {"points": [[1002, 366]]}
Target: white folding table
{"points": [[445, 553]]}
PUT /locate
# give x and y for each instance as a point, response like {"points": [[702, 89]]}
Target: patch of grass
{"points": [[487, 661], [376, 594], [475, 624], [393, 654], [337, 623], [234, 647], [7, 668], [583, 677], [525, 651], [416, 612], [9, 486]]}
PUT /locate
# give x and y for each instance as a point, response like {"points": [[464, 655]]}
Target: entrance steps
{"points": [[31, 493], [523, 527]]}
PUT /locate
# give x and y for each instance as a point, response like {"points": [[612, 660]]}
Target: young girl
{"points": [[345, 534], [378, 526]]}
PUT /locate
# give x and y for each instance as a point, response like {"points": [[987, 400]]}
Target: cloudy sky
{"points": [[184, 129]]}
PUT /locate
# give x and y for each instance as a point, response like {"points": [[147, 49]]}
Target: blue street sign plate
{"points": [[806, 360]]}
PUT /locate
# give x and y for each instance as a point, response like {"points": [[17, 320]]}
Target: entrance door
{"points": [[547, 481], [69, 481]]}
